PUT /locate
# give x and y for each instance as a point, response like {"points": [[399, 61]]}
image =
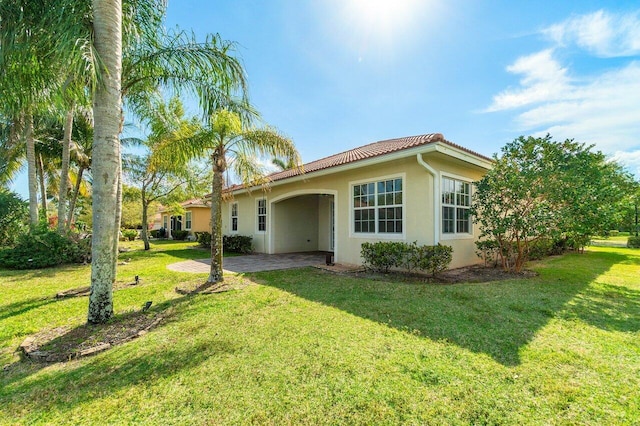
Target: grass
{"points": [[308, 347]]}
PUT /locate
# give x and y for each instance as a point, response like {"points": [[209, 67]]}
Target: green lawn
{"points": [[308, 347]]}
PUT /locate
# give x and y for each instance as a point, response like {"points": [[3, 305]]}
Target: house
{"points": [[409, 189], [196, 218]]}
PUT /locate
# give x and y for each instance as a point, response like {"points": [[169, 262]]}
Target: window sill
{"points": [[456, 237]]}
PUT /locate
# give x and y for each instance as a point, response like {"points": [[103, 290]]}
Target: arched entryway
{"points": [[304, 221]]}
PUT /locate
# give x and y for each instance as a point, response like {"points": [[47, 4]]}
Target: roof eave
{"points": [[442, 147]]}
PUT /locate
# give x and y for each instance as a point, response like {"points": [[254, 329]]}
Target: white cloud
{"points": [[602, 108], [543, 80], [630, 159], [601, 33]]}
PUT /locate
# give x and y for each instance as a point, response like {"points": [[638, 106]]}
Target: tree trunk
{"points": [[43, 188], [216, 274], [31, 170], [64, 173], [74, 196], [144, 234], [106, 155]]}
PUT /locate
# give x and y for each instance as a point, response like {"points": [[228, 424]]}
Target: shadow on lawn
{"points": [[21, 307], [128, 368], [497, 318]]}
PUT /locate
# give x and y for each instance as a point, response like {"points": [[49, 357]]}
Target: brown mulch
{"points": [[467, 274], [66, 343]]}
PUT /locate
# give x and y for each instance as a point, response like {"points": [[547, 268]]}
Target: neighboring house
{"points": [[409, 189], [196, 218]]}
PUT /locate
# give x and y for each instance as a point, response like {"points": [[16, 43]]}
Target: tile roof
{"points": [[371, 150]]}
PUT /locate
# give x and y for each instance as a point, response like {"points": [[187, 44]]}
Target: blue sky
{"points": [[336, 74]]}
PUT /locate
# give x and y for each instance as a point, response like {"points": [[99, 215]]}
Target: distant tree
{"points": [[538, 189]]}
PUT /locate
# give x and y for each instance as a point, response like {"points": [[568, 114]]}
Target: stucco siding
{"points": [[298, 218]]}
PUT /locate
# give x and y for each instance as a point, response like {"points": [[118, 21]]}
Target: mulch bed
{"points": [[467, 274], [66, 343]]}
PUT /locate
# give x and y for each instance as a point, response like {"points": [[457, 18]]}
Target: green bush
{"points": [[633, 242], [539, 249], [42, 247], [614, 233], [129, 234], [204, 239], [236, 244], [179, 235], [159, 233], [384, 255], [488, 251]]}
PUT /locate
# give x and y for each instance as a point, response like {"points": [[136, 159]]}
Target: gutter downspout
{"points": [[436, 197]]}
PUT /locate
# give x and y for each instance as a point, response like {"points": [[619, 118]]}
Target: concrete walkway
{"points": [[253, 262]]}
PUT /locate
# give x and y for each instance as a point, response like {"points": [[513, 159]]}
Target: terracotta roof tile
{"points": [[371, 150]]}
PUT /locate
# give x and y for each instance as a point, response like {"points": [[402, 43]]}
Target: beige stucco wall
{"points": [[293, 217], [200, 219]]}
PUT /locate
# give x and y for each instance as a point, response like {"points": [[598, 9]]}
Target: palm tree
{"points": [[229, 145], [107, 25]]}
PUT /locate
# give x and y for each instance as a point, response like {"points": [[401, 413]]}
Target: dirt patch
{"points": [[66, 343]]}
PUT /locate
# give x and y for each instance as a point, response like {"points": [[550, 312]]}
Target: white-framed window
{"points": [[234, 217], [165, 222], [456, 206], [262, 215], [378, 207], [187, 221]]}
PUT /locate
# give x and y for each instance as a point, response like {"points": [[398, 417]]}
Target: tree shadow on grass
{"points": [[23, 306], [497, 318], [132, 364]]}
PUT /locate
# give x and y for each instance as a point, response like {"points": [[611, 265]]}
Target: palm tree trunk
{"points": [[43, 188], [31, 170], [216, 274], [106, 155], [74, 196], [144, 234], [64, 172]]}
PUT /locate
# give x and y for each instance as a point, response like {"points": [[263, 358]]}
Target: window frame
{"points": [[232, 216], [258, 215], [456, 207], [188, 220], [377, 207]]}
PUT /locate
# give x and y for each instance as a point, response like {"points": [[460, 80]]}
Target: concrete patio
{"points": [[253, 262]]}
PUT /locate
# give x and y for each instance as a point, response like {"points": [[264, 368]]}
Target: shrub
{"points": [[487, 250], [129, 234], [432, 259], [179, 235], [42, 247], [633, 242], [539, 249], [382, 256], [614, 233], [159, 233], [203, 239], [236, 243]]}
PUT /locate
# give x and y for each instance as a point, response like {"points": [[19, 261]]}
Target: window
{"points": [[234, 217], [187, 220], [262, 215], [456, 204], [165, 221], [377, 207]]}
